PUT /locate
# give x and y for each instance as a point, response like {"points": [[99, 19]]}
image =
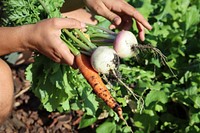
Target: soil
{"points": [[28, 116]]}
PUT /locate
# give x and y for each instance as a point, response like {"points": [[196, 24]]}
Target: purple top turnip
{"points": [[125, 43]]}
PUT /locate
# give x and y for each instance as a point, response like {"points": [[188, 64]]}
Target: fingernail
{"points": [[116, 20], [142, 38], [83, 25], [112, 27], [150, 28]]}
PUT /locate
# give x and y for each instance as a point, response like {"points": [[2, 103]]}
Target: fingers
{"points": [[141, 32], [68, 23], [60, 54], [120, 9], [67, 56], [102, 10], [53, 46], [82, 15], [131, 11], [128, 12], [125, 24]]}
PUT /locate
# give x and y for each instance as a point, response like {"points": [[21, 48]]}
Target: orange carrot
{"points": [[95, 81]]}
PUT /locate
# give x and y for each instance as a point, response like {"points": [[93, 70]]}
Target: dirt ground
{"points": [[29, 117]]}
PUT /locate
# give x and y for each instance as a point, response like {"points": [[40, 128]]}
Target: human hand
{"points": [[120, 13], [81, 15], [44, 37]]}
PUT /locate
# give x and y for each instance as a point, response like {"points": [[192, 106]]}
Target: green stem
{"points": [[102, 28], [102, 40], [45, 8], [73, 49], [100, 35], [84, 39], [81, 44], [86, 53]]}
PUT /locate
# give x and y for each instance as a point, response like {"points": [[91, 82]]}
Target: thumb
{"points": [[111, 16]]}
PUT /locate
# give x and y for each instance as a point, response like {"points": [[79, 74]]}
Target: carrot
{"points": [[95, 81]]}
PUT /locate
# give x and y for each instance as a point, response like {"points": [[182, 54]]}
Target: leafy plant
{"points": [[172, 101]]}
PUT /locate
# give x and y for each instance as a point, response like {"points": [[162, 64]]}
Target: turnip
{"points": [[125, 44], [104, 59]]}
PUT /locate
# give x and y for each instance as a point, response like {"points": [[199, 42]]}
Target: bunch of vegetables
{"points": [[104, 59], [171, 104], [93, 54], [93, 51]]}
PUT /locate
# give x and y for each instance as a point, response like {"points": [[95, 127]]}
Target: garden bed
{"points": [[28, 116]]}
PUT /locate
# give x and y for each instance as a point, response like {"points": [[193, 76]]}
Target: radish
{"points": [[104, 59], [125, 43]]}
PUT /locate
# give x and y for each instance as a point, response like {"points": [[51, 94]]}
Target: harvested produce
{"points": [[93, 78], [104, 59], [125, 44]]}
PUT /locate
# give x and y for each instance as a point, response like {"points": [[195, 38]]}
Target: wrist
{"points": [[27, 37]]}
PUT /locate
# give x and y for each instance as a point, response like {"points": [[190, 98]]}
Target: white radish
{"points": [[125, 43], [104, 59]]}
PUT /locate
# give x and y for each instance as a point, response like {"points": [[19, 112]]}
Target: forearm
{"points": [[13, 39]]}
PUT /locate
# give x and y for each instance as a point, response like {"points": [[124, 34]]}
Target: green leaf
{"points": [[102, 22], [192, 129], [146, 8], [107, 127], [156, 96], [122, 101], [155, 62], [158, 108], [190, 20], [90, 103], [195, 119], [75, 105], [87, 121], [196, 100], [65, 105], [146, 121], [167, 11], [29, 73]]}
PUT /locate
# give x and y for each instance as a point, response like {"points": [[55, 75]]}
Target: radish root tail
{"points": [[156, 51], [139, 99]]}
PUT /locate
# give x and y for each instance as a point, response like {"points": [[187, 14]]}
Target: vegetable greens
{"points": [[58, 86], [171, 104]]}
